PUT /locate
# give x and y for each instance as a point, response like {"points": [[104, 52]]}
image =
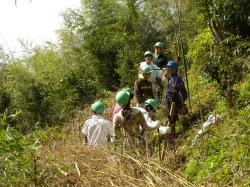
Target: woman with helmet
{"points": [[129, 119], [117, 107]]}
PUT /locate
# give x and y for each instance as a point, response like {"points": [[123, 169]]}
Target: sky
{"points": [[34, 21]]}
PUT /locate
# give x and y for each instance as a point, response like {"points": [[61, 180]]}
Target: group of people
{"points": [[134, 125]]}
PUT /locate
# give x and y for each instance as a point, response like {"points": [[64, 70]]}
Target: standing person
{"points": [[176, 92], [160, 59], [155, 76], [143, 88], [129, 119], [97, 130]]}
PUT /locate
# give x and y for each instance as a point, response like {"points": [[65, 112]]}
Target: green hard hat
{"points": [[146, 69], [148, 53], [98, 107], [122, 98], [158, 44], [153, 103]]}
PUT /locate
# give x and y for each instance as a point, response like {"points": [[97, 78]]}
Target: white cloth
{"points": [[212, 119], [164, 130], [98, 130], [155, 73], [151, 124]]}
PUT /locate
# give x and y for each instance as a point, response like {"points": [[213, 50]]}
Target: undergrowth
{"points": [[57, 156]]}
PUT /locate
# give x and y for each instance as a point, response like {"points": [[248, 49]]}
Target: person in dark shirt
{"points": [[143, 87], [176, 92], [160, 59]]}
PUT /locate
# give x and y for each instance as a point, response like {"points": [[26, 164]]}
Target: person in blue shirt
{"points": [[176, 92]]}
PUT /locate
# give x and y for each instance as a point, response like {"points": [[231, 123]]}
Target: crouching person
{"points": [[130, 120], [149, 110], [97, 130]]}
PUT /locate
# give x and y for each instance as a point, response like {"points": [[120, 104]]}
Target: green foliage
{"points": [[17, 153], [221, 156], [203, 93], [226, 16], [47, 86], [242, 92], [225, 61], [4, 100]]}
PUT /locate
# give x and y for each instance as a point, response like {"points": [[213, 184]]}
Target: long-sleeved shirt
{"points": [[98, 130], [160, 60], [132, 126], [143, 90], [154, 75], [176, 90]]}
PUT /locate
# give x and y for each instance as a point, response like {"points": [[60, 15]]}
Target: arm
{"points": [[150, 123], [180, 87], [85, 132], [110, 131], [137, 92]]}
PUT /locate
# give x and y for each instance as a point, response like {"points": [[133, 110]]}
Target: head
{"points": [[151, 106], [148, 56], [158, 47], [123, 98], [97, 107], [146, 71], [172, 67]]}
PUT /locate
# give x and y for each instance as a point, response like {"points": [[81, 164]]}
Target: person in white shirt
{"points": [[149, 112], [97, 130], [155, 76]]}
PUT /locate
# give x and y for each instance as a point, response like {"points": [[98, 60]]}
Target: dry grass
{"points": [[66, 161]]}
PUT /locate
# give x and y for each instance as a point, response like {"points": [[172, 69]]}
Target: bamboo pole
{"points": [[170, 123]]}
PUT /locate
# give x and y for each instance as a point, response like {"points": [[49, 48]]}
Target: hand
{"points": [[157, 124]]}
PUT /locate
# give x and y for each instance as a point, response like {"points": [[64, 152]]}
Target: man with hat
{"points": [[97, 130], [160, 59], [176, 92]]}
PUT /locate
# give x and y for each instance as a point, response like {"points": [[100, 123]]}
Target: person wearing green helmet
{"points": [[155, 131], [150, 107], [117, 107], [97, 130], [130, 119], [160, 58], [155, 76], [143, 88]]}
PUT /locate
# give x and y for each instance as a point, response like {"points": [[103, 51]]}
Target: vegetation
{"points": [[45, 94]]}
